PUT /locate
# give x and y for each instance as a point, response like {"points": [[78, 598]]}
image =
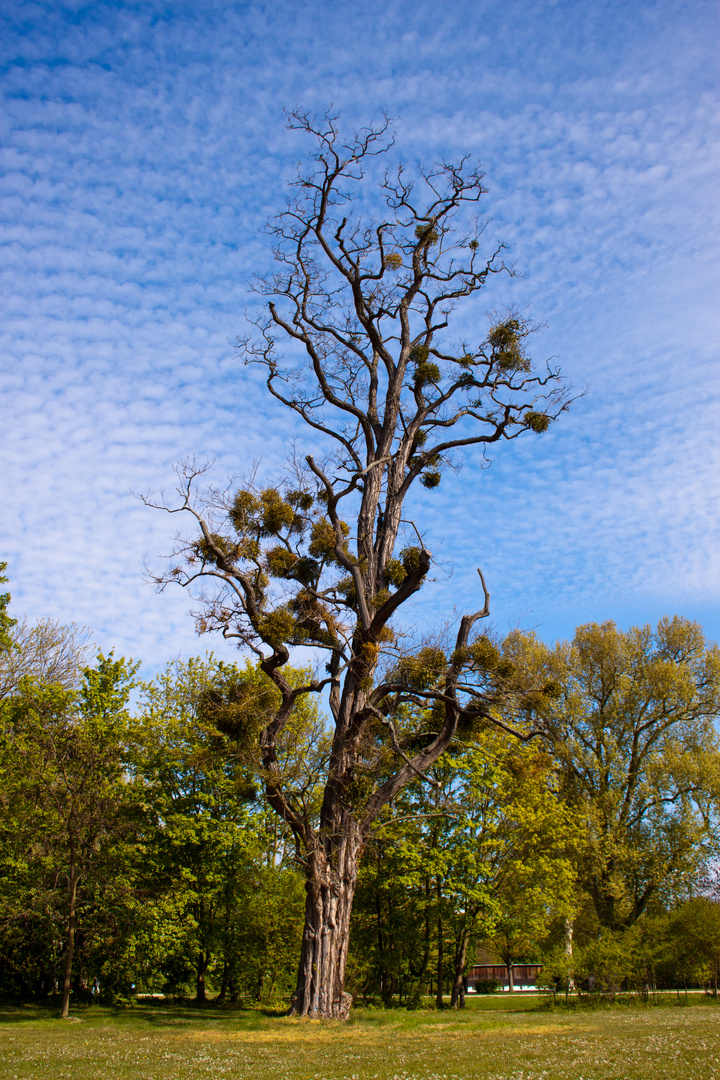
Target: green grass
{"points": [[493, 1039]]}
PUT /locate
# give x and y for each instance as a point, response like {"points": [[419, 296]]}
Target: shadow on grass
{"points": [[160, 1014], [625, 1002]]}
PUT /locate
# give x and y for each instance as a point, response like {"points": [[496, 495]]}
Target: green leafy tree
{"points": [[6, 622], [264, 937], [608, 961], [325, 558], [484, 852], [694, 942], [629, 717], [67, 796], [396, 942], [515, 867], [212, 862]]}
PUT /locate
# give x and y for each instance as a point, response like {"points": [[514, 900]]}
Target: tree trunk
{"points": [[511, 982], [226, 948], [388, 988], [385, 947], [203, 962], [69, 945], [439, 991], [420, 974], [457, 997], [223, 985], [568, 945], [320, 992]]}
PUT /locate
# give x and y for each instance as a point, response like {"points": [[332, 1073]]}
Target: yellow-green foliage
{"points": [[365, 663], [425, 370], [505, 335], [279, 560], [430, 479], [505, 668], [244, 510], [537, 421], [301, 500], [267, 515], [410, 557], [425, 373], [423, 670], [506, 340], [482, 654], [346, 587], [323, 539], [276, 513], [201, 698], [393, 260], [395, 572], [428, 234], [278, 626], [305, 570], [205, 551], [419, 353], [369, 654], [315, 621], [239, 704]]}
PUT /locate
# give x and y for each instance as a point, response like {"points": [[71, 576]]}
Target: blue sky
{"points": [[143, 148]]}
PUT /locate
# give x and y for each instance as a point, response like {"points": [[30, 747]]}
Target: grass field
{"points": [[492, 1039]]}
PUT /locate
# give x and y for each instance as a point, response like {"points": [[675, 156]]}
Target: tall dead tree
{"points": [[325, 558]]}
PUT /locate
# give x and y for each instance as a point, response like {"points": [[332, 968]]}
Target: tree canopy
{"points": [[6, 622], [630, 717], [324, 557], [139, 851]]}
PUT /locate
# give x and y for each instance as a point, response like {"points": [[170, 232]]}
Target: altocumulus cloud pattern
{"points": [[143, 150]]}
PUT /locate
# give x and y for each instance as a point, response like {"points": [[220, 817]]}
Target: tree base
{"points": [[336, 1010]]}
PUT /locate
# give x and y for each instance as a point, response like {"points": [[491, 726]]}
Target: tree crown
{"points": [[370, 365]]}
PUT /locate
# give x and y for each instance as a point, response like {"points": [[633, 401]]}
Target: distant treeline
{"points": [[138, 852]]}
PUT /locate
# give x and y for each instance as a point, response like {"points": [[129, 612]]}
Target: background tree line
{"points": [[138, 853]]}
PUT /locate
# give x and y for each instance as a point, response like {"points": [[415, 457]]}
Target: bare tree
{"points": [[48, 651], [369, 365]]}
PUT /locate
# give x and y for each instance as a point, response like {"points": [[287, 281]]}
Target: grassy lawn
{"points": [[492, 1039]]}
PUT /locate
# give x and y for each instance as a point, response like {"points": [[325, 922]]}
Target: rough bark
{"points": [[330, 888]]}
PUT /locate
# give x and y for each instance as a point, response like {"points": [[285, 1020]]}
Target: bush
{"points": [[486, 986]]}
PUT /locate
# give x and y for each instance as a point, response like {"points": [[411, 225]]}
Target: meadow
{"points": [[492, 1039]]}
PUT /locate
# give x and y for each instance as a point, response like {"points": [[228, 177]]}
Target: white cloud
{"points": [[143, 152]]}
